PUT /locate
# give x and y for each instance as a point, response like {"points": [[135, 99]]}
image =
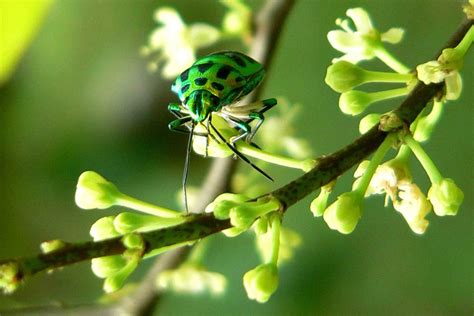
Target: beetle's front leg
{"points": [[176, 109], [176, 125]]}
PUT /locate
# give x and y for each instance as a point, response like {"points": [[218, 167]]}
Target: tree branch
{"points": [[328, 168]]}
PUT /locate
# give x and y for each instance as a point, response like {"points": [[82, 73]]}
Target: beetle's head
{"points": [[200, 104]]}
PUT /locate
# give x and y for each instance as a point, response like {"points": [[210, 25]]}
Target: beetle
{"points": [[213, 85]]}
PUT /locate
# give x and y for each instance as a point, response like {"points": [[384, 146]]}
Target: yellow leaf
{"points": [[19, 21]]}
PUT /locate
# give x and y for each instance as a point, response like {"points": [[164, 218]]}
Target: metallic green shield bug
{"points": [[213, 85]]}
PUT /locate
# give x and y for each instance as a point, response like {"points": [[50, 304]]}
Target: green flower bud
{"points": [[261, 225], [10, 277], [368, 121], [52, 245], [116, 281], [223, 203], [446, 197], [261, 282], [103, 228], [354, 102], [243, 215], [133, 242], [94, 191], [343, 76], [107, 266], [425, 125], [344, 214], [319, 204], [127, 222]]}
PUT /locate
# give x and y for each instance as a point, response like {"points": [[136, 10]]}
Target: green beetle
{"points": [[213, 85]]}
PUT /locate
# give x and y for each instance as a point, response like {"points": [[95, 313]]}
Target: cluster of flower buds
{"points": [[95, 192], [392, 178], [116, 269]]}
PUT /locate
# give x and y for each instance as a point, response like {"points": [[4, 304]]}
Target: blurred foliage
{"points": [[20, 21], [81, 99]]}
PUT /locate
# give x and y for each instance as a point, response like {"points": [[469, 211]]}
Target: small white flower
{"points": [[386, 179], [361, 43], [446, 69], [414, 206], [175, 43]]}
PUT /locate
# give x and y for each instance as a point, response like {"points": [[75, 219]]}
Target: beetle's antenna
{"points": [[186, 167], [239, 154]]}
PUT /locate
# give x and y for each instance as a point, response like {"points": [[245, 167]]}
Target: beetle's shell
{"points": [[227, 75]]}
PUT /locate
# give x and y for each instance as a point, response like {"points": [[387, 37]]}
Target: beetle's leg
{"points": [[207, 136], [241, 125], [258, 115], [242, 115], [176, 109], [176, 125]]}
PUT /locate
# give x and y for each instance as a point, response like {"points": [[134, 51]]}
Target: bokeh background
{"points": [[82, 99]]}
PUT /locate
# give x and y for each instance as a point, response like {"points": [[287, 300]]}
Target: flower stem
{"points": [[380, 76], [466, 42], [425, 125], [199, 251], [430, 168], [276, 225], [249, 150], [385, 56], [159, 251], [388, 94], [135, 204], [373, 164], [403, 154]]}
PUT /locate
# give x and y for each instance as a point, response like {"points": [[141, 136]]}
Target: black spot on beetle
{"points": [[217, 86], [185, 88], [238, 60], [200, 81], [239, 79], [184, 75], [224, 72], [204, 67]]}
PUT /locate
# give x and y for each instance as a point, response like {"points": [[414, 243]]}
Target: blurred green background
{"points": [[82, 99]]}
